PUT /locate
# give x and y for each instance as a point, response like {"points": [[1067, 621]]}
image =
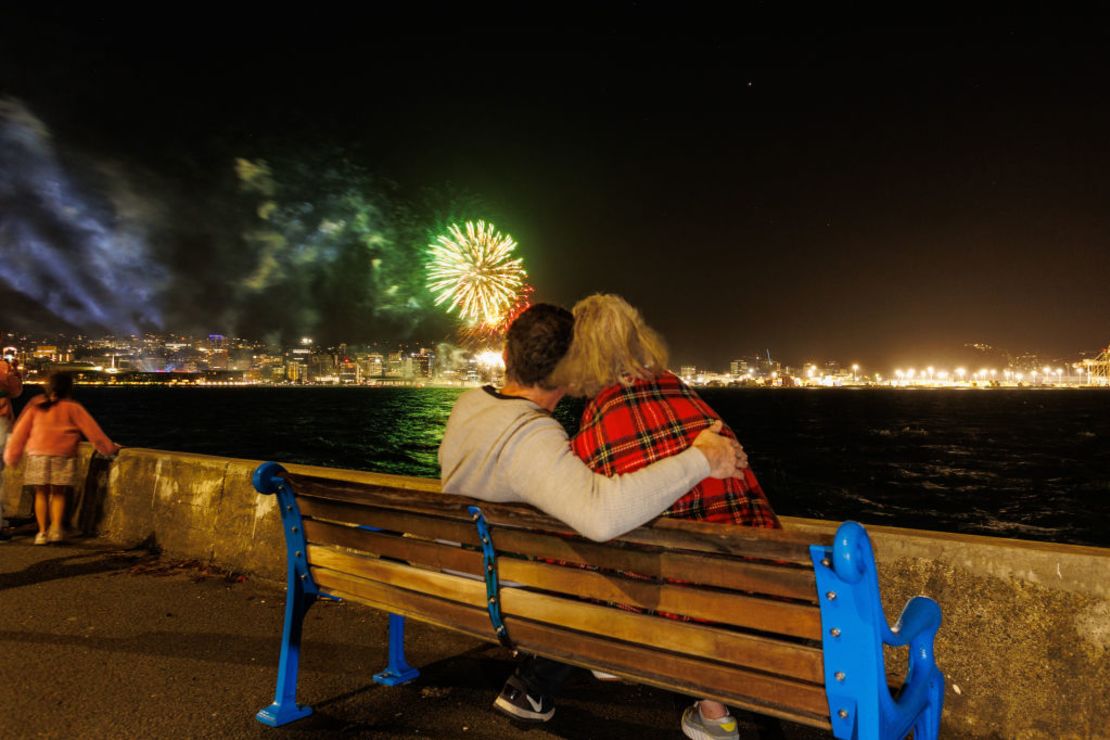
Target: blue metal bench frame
{"points": [[855, 630], [861, 706]]}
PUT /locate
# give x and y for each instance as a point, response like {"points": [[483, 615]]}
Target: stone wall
{"points": [[1024, 646]]}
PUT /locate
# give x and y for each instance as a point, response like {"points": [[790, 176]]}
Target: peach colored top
{"points": [[11, 385], [55, 431]]}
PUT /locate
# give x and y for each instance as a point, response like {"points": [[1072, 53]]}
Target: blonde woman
{"points": [[640, 412]]}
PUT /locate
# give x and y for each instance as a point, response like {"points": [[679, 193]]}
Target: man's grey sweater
{"points": [[502, 448]]}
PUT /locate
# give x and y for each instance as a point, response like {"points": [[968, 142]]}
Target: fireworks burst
{"points": [[475, 273], [479, 334], [523, 303]]}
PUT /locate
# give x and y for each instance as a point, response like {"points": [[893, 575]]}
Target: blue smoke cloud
{"points": [[80, 252]]}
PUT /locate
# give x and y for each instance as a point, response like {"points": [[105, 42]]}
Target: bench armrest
{"points": [[856, 629], [920, 619]]}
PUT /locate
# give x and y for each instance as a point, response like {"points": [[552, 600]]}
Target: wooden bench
{"points": [[778, 624]]}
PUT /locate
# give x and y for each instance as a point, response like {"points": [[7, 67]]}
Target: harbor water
{"points": [[1031, 464]]}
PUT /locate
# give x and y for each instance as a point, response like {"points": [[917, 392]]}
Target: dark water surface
{"points": [[1029, 464]]}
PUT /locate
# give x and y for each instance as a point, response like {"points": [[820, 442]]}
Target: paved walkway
{"points": [[96, 642]]}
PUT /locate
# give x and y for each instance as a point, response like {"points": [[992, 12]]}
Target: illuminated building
{"points": [[217, 352], [736, 368], [373, 365], [423, 364], [350, 373], [394, 365]]}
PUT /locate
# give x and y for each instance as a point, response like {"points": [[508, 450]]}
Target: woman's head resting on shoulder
{"points": [[612, 344]]}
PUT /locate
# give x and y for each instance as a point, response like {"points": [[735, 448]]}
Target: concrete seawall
{"points": [[1025, 645]]}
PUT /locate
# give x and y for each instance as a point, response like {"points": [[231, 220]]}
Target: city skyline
{"points": [[182, 354], [885, 195]]}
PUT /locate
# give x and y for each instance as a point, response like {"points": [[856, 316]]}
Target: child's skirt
{"points": [[49, 470]]}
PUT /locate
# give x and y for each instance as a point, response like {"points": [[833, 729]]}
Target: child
{"points": [[49, 430]]}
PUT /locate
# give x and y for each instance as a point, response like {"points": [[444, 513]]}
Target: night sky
{"points": [[882, 195]]}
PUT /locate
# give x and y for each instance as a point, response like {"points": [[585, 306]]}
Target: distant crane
{"points": [[1098, 369]]}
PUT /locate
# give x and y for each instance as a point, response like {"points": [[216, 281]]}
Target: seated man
{"points": [[505, 446]]}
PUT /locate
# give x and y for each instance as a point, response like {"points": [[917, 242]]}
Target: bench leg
{"points": [[927, 726], [285, 708], [398, 671]]}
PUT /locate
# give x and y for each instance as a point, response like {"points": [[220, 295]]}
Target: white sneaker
{"points": [[603, 676], [40, 538]]}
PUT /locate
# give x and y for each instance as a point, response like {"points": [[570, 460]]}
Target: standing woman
{"points": [[11, 386], [49, 430], [640, 412]]}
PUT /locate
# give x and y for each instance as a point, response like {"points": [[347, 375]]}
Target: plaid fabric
{"points": [[625, 428]]}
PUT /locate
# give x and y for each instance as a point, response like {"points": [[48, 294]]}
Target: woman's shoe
{"points": [[697, 727], [54, 536], [40, 538], [606, 677]]}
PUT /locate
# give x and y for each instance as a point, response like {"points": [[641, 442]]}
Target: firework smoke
{"points": [[82, 257]]}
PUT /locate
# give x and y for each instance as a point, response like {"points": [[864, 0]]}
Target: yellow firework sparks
{"points": [[473, 270]]}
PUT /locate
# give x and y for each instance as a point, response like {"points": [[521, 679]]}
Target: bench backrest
{"points": [[750, 631]]}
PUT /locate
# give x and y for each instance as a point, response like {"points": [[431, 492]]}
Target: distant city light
{"points": [[490, 358]]}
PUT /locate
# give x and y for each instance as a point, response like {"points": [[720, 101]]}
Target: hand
{"points": [[725, 455], [741, 457]]}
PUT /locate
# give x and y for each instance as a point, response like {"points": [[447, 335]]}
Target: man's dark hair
{"points": [[536, 341]]}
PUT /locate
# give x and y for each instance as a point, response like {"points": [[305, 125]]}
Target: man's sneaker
{"points": [[699, 728], [40, 538], [516, 702]]}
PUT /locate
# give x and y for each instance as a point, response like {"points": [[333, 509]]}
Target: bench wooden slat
{"points": [[793, 700], [779, 617], [753, 577], [687, 638], [394, 521], [739, 575], [793, 620], [673, 535]]}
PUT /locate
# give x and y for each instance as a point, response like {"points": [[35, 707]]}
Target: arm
{"points": [[15, 383], [13, 452], [92, 431], [11, 385], [543, 471]]}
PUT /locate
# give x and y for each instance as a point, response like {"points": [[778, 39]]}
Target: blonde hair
{"points": [[612, 344]]}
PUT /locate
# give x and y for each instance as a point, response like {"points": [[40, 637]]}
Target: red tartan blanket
{"points": [[625, 428]]}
